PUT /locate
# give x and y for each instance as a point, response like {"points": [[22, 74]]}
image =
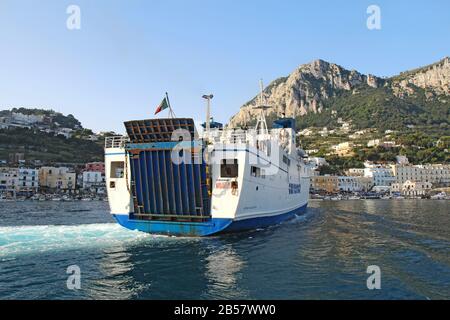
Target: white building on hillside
{"points": [[380, 143], [411, 188], [354, 184], [57, 178], [343, 149], [437, 174], [4, 122], [93, 137], [93, 179], [358, 134], [19, 179], [27, 119], [65, 132], [381, 175], [9, 178], [373, 143], [345, 127], [356, 172], [28, 180], [324, 132], [311, 151], [318, 161], [305, 132], [402, 160]]}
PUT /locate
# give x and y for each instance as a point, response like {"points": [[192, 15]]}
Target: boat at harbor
{"points": [[165, 178], [440, 196]]}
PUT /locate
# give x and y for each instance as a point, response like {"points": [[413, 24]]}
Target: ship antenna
{"points": [[208, 113], [262, 106], [261, 92]]}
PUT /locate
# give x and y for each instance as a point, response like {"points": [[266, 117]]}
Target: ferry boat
{"points": [[165, 178]]}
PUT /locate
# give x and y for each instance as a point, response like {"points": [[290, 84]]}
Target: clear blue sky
{"points": [[129, 53]]}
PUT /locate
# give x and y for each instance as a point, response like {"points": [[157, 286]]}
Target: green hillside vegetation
{"points": [[379, 108], [418, 146], [48, 148]]}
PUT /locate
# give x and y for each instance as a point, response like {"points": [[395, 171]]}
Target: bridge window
{"points": [[117, 169], [286, 160], [229, 168], [255, 172]]}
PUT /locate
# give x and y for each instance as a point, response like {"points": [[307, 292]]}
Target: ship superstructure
{"points": [[164, 178]]}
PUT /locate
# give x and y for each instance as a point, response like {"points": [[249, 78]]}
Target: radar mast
{"points": [[261, 124]]}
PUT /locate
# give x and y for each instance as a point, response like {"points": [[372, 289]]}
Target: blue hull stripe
{"points": [[208, 228]]}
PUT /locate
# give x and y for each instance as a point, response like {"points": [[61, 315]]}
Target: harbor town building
{"points": [[437, 174], [381, 175], [411, 188], [54, 178], [19, 180], [93, 180], [334, 184], [28, 180]]}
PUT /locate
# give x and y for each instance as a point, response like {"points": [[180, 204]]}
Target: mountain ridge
{"points": [[314, 89]]}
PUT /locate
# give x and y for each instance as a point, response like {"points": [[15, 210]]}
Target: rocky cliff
{"points": [[311, 87], [434, 79]]}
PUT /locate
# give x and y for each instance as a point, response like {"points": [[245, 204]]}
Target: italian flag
{"points": [[163, 105]]}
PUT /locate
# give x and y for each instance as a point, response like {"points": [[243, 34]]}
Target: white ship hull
{"points": [[250, 185]]}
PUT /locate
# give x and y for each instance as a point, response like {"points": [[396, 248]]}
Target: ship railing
{"points": [[226, 136], [237, 136], [116, 141], [213, 135]]}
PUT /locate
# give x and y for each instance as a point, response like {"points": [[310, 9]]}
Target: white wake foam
{"points": [[33, 239]]}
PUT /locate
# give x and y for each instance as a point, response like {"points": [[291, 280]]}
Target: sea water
{"points": [[323, 254]]}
